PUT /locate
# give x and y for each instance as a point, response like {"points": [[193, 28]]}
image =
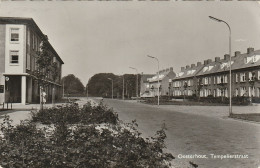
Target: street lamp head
{"points": [[109, 78], [215, 19], [150, 56]]}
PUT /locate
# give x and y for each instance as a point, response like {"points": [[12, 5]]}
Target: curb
{"points": [[237, 119]]}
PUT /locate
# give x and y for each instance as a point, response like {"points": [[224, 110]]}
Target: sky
{"points": [[110, 36]]}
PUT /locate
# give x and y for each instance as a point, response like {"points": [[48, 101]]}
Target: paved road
{"points": [[190, 134]]}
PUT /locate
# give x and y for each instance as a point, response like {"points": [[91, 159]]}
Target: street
{"points": [[194, 134]]}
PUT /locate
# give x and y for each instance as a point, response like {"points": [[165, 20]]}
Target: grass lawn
{"points": [[249, 117], [186, 103]]}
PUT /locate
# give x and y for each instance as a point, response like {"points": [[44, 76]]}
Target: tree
{"points": [[46, 68], [99, 85], [72, 85]]}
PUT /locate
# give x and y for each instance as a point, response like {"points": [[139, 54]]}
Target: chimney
{"points": [[192, 65], [217, 59], [226, 57], [198, 63], [182, 68], [171, 68], [250, 50], [237, 53], [187, 66], [209, 61], [205, 62]]}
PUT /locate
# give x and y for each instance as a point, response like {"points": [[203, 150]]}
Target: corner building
{"points": [[20, 40]]}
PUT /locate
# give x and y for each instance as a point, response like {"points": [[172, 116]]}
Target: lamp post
{"points": [[230, 87], [112, 87], [136, 81], [158, 78], [87, 90], [123, 92]]}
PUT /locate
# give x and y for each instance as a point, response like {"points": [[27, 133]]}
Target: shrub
{"points": [[72, 114], [74, 142]]}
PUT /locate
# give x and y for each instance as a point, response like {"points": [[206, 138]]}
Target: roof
{"points": [[162, 74], [30, 22], [188, 72], [145, 77], [240, 61]]}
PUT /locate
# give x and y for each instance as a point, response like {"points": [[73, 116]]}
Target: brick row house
{"points": [[20, 40], [164, 85], [144, 85], [212, 77]]}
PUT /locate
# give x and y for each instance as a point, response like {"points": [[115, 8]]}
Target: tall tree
{"points": [[100, 85], [72, 85], [46, 68]]}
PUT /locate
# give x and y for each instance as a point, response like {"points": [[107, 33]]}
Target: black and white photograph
{"points": [[129, 84]]}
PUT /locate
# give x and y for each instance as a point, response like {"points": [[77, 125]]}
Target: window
{"points": [[14, 34], [206, 80], [206, 92], [251, 91], [189, 81], [201, 93], [237, 77], [218, 92], [242, 77], [28, 37], [14, 57], [237, 92], [28, 63], [226, 92], [251, 76], [209, 92], [225, 79], [243, 91], [33, 40], [220, 80]]}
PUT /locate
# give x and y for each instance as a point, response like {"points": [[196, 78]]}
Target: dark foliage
{"points": [[83, 144], [72, 85], [72, 114], [100, 85]]}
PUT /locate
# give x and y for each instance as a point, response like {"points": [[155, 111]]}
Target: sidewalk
{"points": [[209, 111], [22, 112]]}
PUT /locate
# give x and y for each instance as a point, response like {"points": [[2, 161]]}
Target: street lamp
{"points": [[136, 81], [158, 78], [123, 92], [112, 87], [230, 87]]}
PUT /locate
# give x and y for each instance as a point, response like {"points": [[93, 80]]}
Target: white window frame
{"points": [[237, 77], [16, 29], [11, 57], [242, 77]]}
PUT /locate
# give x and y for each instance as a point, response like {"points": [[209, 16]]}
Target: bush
{"points": [[72, 114], [80, 144]]}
